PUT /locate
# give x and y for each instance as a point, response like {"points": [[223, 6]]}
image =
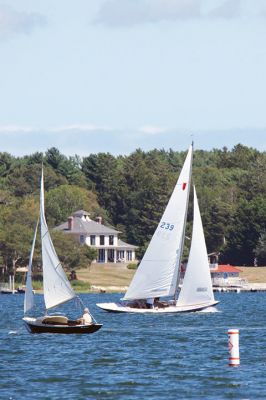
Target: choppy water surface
{"points": [[181, 356]]}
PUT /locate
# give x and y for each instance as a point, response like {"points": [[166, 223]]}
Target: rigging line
{"points": [[83, 305], [45, 234], [185, 222], [66, 282], [57, 265]]}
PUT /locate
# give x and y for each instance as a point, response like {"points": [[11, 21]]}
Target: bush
{"points": [[132, 266], [37, 285], [80, 285]]}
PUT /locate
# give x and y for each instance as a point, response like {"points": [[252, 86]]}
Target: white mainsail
{"points": [[157, 273], [197, 285], [29, 297], [56, 287]]}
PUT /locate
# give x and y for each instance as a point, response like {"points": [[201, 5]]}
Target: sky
{"points": [[116, 75]]}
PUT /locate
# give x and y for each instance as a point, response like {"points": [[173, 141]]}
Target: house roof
{"points": [[80, 213], [80, 226], [226, 268], [120, 243]]}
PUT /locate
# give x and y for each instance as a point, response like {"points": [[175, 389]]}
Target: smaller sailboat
{"points": [[158, 273], [56, 287]]}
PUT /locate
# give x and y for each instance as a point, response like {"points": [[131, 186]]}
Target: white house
{"points": [[93, 233]]}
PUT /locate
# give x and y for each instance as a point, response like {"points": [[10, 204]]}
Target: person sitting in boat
{"points": [[160, 304], [157, 303], [86, 317], [150, 303], [137, 304]]}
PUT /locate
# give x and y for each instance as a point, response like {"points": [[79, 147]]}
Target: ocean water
{"points": [[175, 356]]}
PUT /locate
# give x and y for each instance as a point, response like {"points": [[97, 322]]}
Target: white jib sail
{"points": [[197, 285], [29, 296], [56, 287], [156, 275]]}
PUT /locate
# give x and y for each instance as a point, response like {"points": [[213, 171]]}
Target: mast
{"points": [[157, 273], [179, 260], [56, 287], [29, 298]]}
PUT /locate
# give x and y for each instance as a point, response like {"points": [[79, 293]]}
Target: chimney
{"points": [[98, 220], [70, 223]]}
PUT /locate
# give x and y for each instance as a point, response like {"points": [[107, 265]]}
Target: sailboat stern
{"points": [[196, 307]]}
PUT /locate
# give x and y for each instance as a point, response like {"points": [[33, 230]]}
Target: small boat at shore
{"points": [[56, 287], [158, 274], [8, 291]]}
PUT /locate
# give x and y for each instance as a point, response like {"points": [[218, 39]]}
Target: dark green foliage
{"points": [[131, 192], [62, 201], [247, 225], [16, 232], [102, 171], [70, 253], [6, 162], [260, 251]]}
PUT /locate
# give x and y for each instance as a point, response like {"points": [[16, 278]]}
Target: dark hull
{"points": [[7, 291], [82, 329]]}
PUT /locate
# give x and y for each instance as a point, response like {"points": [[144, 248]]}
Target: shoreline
{"points": [[115, 278]]}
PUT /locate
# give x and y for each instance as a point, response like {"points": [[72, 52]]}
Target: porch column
{"points": [[115, 256], [105, 255]]}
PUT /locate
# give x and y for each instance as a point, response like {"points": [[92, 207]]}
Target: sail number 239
{"points": [[166, 225]]}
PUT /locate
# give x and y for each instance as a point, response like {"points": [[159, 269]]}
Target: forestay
{"points": [[157, 273], [29, 297], [57, 289], [197, 285]]}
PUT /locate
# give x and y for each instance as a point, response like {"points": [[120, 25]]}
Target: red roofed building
{"points": [[225, 274], [221, 275], [228, 269], [223, 271]]}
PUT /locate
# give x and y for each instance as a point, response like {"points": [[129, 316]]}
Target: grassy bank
{"points": [[118, 276], [115, 278], [107, 276], [253, 274]]}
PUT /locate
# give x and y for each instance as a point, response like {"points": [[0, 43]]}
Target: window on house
{"points": [[92, 240], [101, 255], [129, 255], [111, 240], [82, 239], [101, 240]]}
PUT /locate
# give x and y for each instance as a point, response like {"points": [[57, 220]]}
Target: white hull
{"points": [[123, 308]]}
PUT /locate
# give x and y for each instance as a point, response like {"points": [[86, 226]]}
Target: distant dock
{"points": [[250, 287]]}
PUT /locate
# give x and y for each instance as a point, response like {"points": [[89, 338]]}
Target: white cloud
{"points": [[129, 13], [228, 9], [16, 128], [122, 141], [152, 130], [80, 128], [55, 129], [115, 13], [15, 22]]}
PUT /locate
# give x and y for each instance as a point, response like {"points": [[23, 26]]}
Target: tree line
{"points": [[130, 193]]}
